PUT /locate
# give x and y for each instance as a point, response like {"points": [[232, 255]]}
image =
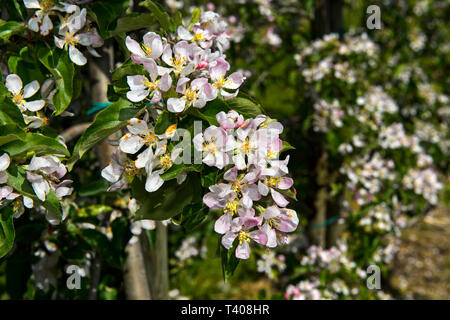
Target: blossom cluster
{"points": [[256, 178], [44, 174], [152, 159], [74, 29], [191, 62], [327, 115], [377, 219], [366, 176], [424, 182]]}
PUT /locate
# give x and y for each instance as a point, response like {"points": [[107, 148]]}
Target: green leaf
{"points": [[209, 112], [131, 22], [94, 210], [7, 233], [176, 169], [128, 68], [195, 16], [106, 122], [193, 215], [163, 17], [11, 132], [37, 143], [94, 188], [229, 260], [166, 202], [10, 28], [165, 119], [106, 14], [209, 176], [10, 113], [244, 106], [17, 180], [59, 64], [286, 146]]}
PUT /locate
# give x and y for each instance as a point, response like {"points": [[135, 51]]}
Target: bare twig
{"points": [[75, 131]]}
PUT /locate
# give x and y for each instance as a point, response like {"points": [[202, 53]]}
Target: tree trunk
{"points": [[317, 230], [157, 266]]}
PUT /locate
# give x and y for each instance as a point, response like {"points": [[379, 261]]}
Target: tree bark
{"points": [[157, 266]]}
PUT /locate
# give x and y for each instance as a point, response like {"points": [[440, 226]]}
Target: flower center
{"points": [[71, 39], [152, 86], [239, 186], [198, 36], [178, 63], [219, 84], [149, 137], [231, 207], [209, 146], [130, 169], [274, 222], [147, 49], [46, 5], [165, 161], [18, 98], [190, 94], [273, 182], [244, 236]]}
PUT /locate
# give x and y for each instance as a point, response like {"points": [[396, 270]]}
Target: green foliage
{"points": [[106, 122], [59, 64], [6, 230]]}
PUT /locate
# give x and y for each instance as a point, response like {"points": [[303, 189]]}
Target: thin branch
{"points": [[75, 131]]}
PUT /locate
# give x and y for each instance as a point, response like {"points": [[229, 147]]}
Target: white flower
{"points": [[20, 93]]}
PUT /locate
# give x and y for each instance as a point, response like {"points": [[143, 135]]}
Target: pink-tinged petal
{"points": [[231, 174], [5, 160], [138, 95], [134, 47], [41, 189], [217, 72], [263, 188], [234, 80], [271, 235], [157, 48], [272, 212], [223, 224], [121, 184], [63, 191], [259, 236], [167, 55], [252, 192], [191, 67], [152, 68], [228, 95], [285, 183], [59, 42], [76, 56], [199, 103], [181, 84], [209, 160], [30, 89], [221, 160], [14, 83], [131, 144], [136, 82], [5, 191], [184, 33], [243, 250], [250, 222], [279, 199], [157, 96], [154, 182], [228, 239], [165, 82], [34, 105], [288, 221], [112, 173], [176, 105]]}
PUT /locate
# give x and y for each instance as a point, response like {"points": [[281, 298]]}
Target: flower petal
{"points": [[13, 83], [30, 89]]}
